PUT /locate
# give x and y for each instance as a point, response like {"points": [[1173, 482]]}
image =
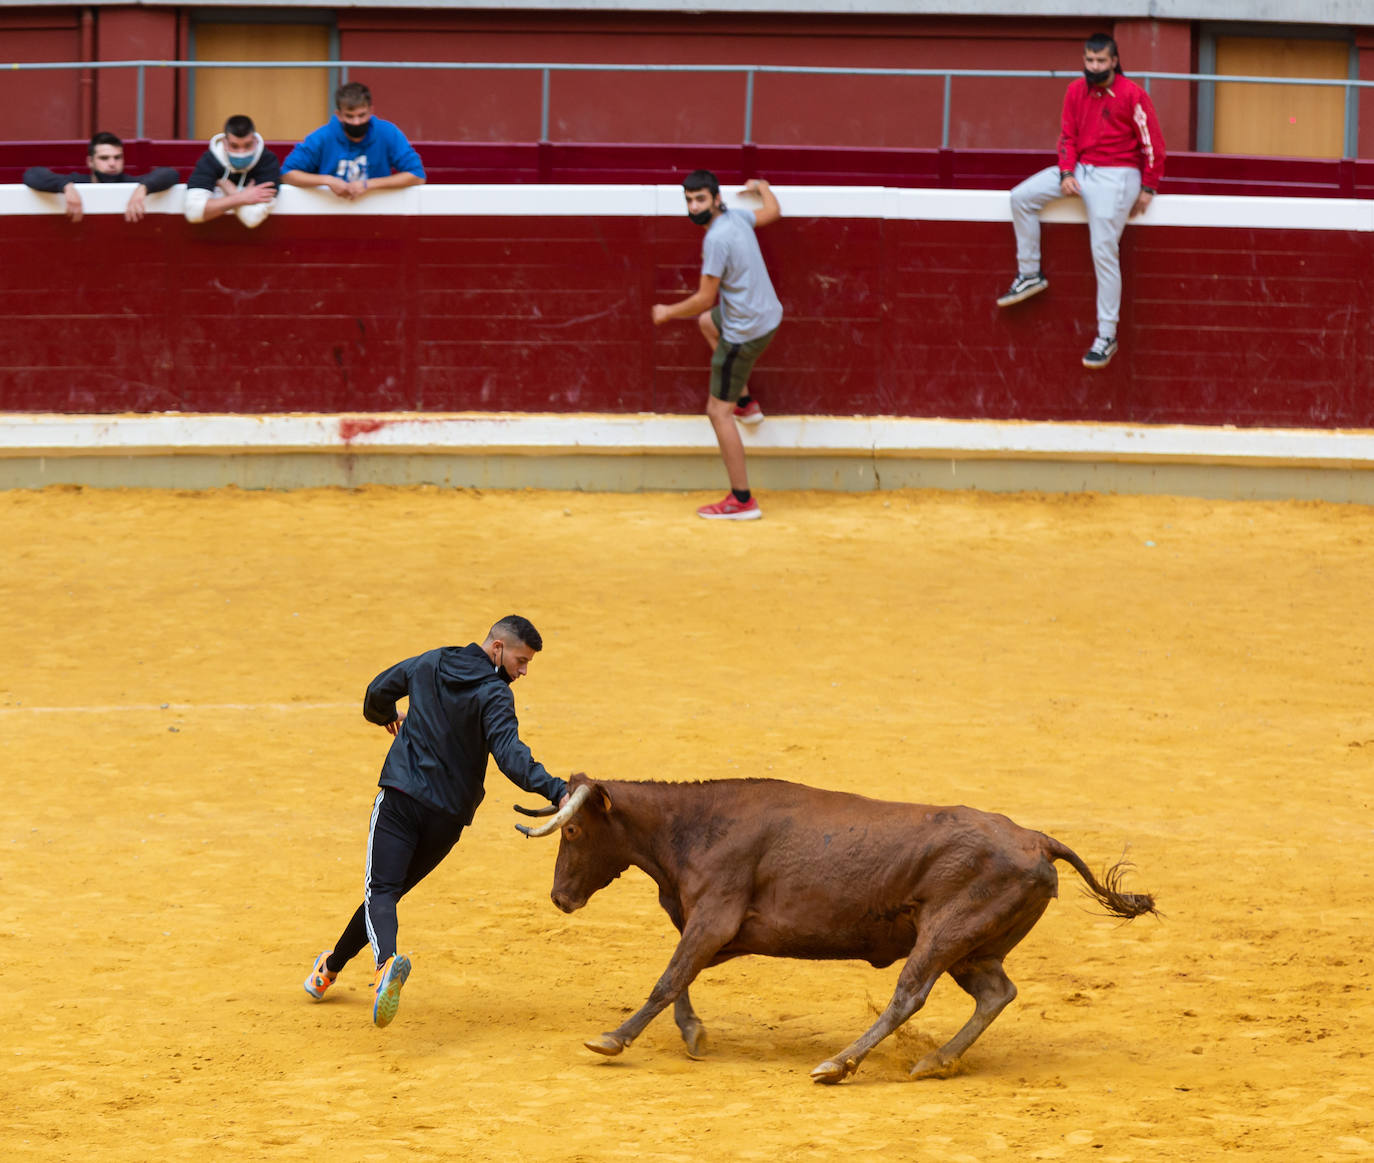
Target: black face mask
{"points": [[1098, 78], [701, 217], [356, 132]]}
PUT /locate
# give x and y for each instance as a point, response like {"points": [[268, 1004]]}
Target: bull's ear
{"points": [[605, 798]]}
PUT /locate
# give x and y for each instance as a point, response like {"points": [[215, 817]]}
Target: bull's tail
{"points": [[1107, 893]]}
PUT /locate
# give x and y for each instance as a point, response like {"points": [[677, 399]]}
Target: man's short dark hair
{"points": [[1099, 41], [521, 629], [702, 180], [239, 125], [353, 95], [104, 137]]}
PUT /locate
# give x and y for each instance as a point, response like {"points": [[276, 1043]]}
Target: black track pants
{"points": [[406, 841]]}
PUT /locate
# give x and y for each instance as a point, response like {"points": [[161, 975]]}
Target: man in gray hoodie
{"points": [[461, 710]]}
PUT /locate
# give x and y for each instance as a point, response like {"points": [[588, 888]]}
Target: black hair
{"points": [[103, 138], [353, 95], [239, 125], [521, 629], [702, 180], [1101, 40]]}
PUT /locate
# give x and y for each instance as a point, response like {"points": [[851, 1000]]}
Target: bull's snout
{"points": [[565, 903]]}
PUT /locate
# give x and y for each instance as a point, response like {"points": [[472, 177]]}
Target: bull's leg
{"points": [[693, 1032], [914, 984], [991, 990], [701, 941]]}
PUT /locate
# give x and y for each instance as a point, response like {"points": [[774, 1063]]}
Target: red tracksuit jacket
{"points": [[1112, 126]]}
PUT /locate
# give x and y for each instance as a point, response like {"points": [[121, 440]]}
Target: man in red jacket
{"points": [[1111, 154]]}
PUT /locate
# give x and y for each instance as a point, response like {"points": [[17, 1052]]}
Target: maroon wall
{"points": [[451, 163], [43, 103], [371, 313], [885, 112]]}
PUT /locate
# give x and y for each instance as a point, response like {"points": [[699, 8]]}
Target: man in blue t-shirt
{"points": [[356, 153], [738, 328]]}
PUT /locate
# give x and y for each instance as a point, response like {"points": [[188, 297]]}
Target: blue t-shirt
{"points": [[382, 151]]}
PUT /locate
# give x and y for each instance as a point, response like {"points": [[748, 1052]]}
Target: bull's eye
{"points": [[572, 831]]}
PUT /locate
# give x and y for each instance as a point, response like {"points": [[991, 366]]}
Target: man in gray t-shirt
{"points": [[738, 329]]}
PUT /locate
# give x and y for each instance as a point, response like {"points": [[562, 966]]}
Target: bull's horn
{"points": [[565, 813]]}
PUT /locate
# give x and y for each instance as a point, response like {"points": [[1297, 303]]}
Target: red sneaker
{"points": [[750, 414], [732, 510]]}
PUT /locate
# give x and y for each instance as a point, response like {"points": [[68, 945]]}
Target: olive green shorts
{"points": [[732, 362]]}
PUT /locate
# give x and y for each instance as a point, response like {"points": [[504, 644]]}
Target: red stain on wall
{"points": [[350, 427]]}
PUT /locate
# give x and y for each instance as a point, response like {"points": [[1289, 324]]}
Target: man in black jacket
{"points": [[105, 156], [461, 710], [237, 175]]}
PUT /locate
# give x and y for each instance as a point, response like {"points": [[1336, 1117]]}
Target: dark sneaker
{"points": [[1024, 287], [730, 509], [1100, 353]]}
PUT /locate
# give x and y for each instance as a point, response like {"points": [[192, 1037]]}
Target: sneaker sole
{"points": [[389, 996], [1098, 365], [749, 420], [1011, 300], [752, 515]]}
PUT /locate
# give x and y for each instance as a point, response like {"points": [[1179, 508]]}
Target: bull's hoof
{"points": [[933, 1066], [832, 1072], [607, 1044], [694, 1038]]}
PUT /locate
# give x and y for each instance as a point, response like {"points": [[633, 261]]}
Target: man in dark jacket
{"points": [[237, 175], [105, 156], [461, 710]]}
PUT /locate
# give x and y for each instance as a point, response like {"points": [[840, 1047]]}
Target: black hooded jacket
{"points": [[43, 179], [461, 710]]}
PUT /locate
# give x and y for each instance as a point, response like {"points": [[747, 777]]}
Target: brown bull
{"points": [[763, 866]]}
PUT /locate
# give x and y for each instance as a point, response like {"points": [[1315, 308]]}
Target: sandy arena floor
{"points": [[187, 779]]}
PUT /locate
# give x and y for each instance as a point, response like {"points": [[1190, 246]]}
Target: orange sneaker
{"points": [[730, 509], [320, 978], [386, 989]]}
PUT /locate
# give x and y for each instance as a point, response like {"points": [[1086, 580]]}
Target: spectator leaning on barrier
{"points": [[105, 156], [738, 329], [356, 153], [1111, 154], [237, 175]]}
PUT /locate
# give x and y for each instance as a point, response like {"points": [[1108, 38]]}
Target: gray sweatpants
{"points": [[1109, 192]]}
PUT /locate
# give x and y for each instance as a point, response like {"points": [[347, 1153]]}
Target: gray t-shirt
{"points": [[749, 307]]}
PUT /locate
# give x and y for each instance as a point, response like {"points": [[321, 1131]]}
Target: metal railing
{"points": [[546, 70]]}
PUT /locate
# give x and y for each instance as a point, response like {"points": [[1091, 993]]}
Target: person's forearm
{"points": [[301, 178], [216, 207], [691, 307], [395, 181]]}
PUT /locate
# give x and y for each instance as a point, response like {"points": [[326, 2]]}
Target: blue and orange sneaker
{"points": [[386, 989], [320, 978]]}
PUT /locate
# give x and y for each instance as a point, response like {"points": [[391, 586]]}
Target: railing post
{"points": [[138, 121], [544, 107], [944, 127], [749, 107]]}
